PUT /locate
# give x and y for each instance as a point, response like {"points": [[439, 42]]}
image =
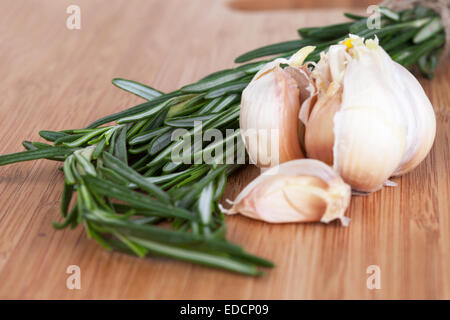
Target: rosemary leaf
{"points": [[85, 138], [68, 138], [139, 89], [213, 82], [429, 30], [226, 102], [388, 13], [70, 218], [34, 155], [148, 135], [28, 145], [170, 167], [187, 121], [68, 174], [153, 233], [354, 16], [207, 259], [51, 135], [66, 198], [87, 166], [137, 199], [326, 33], [231, 87], [145, 114], [134, 110], [99, 149], [205, 203], [272, 49], [400, 39], [136, 247], [92, 233], [113, 176], [190, 197], [160, 142], [128, 173], [120, 150]]}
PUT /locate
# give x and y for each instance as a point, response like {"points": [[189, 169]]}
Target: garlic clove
{"points": [[307, 95], [421, 122], [269, 115], [319, 135], [303, 190], [367, 149], [369, 128]]}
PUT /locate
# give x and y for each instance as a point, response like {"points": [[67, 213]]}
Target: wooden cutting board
{"points": [[55, 78]]}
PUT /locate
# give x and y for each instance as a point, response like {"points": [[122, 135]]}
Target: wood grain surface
{"points": [[55, 78]]}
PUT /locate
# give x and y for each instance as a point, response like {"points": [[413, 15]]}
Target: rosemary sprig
{"points": [[119, 180], [399, 34]]}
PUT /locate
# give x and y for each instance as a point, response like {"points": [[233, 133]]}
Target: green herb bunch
{"points": [[122, 185]]}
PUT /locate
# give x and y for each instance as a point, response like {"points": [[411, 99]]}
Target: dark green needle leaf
{"points": [[272, 49], [34, 155], [120, 150], [139, 89], [51, 135], [429, 30], [354, 16], [122, 169], [148, 135], [207, 259], [134, 110], [137, 199], [231, 87], [213, 82]]}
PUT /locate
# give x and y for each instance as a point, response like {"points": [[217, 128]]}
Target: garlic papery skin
{"points": [[372, 119], [303, 190], [422, 123], [270, 105]]}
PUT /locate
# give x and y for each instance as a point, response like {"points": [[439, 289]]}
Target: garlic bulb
{"points": [[301, 190], [371, 120], [359, 111], [269, 110]]}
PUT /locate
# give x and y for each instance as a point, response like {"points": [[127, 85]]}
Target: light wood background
{"points": [[55, 78]]}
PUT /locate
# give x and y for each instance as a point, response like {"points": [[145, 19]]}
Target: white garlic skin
{"points": [[303, 190], [372, 119]]}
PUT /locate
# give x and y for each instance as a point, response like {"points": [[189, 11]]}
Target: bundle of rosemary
{"points": [[120, 181]]}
